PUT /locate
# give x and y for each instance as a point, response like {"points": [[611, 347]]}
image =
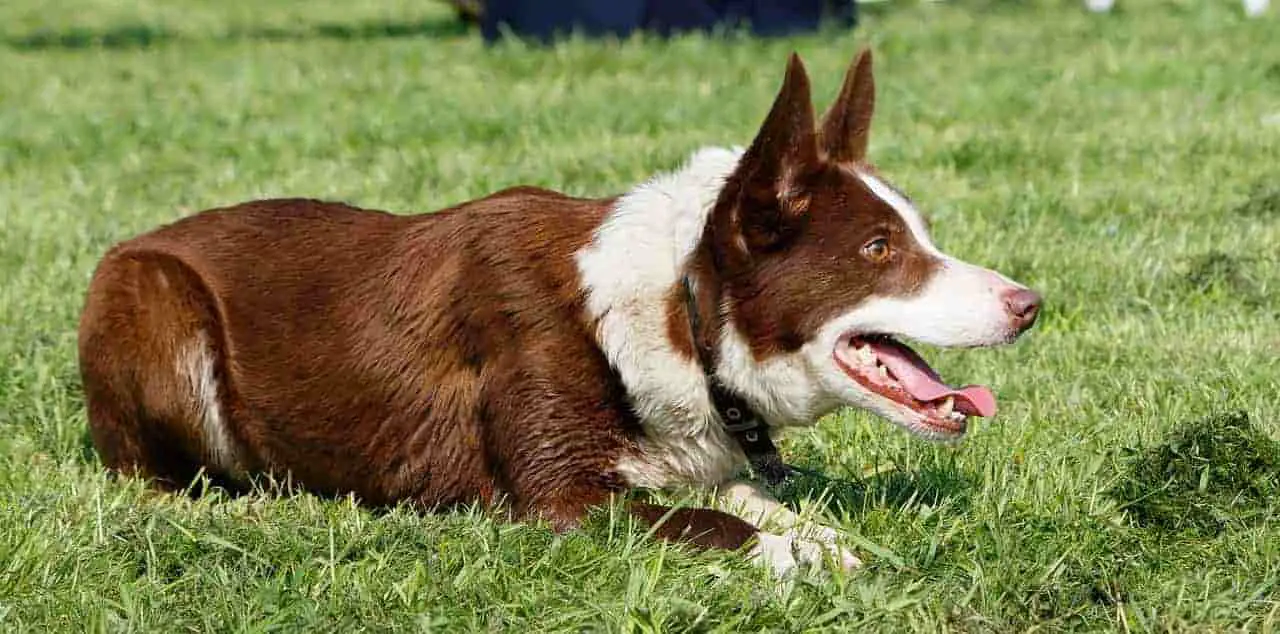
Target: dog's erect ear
{"points": [[847, 126], [782, 154]]}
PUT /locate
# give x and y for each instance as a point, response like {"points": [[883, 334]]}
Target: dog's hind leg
{"points": [[150, 366]]}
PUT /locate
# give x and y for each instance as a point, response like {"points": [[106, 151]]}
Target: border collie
{"points": [[542, 352]]}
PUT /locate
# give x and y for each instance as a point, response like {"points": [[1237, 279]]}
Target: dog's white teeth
{"points": [[865, 355], [957, 416], [947, 407], [884, 372]]}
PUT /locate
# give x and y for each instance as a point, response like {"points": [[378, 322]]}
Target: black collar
{"points": [[737, 417]]}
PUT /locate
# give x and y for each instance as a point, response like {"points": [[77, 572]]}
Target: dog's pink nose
{"points": [[1023, 305]]}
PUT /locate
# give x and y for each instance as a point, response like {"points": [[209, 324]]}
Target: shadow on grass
{"points": [[1263, 201], [1211, 475], [141, 36], [1235, 277], [896, 488]]}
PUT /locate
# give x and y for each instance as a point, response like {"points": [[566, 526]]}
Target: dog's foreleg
{"points": [[753, 504], [796, 541]]}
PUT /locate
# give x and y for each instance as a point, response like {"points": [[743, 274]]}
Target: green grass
{"points": [[1128, 166]]}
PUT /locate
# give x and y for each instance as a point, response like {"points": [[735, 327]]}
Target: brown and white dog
{"points": [[541, 350]]}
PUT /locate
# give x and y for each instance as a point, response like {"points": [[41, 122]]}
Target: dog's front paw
{"points": [[783, 553]]}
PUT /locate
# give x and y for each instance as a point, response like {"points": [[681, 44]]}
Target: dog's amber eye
{"points": [[877, 250]]}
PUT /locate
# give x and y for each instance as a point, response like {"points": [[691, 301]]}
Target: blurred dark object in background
{"points": [[546, 19], [469, 10]]}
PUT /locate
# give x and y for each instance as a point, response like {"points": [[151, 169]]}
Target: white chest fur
{"points": [[637, 255]]}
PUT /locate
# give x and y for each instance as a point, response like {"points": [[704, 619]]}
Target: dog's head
{"points": [[826, 269]]}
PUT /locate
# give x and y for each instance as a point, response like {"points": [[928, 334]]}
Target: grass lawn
{"points": [[1128, 166]]}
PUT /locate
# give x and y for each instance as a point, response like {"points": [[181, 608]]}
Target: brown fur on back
{"points": [[397, 357]]}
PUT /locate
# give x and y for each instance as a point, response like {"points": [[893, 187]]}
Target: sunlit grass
{"points": [[1124, 165]]}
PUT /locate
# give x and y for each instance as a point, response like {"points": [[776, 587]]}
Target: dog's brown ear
{"points": [[847, 126], [783, 153]]}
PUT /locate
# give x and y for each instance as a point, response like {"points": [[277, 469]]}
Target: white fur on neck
{"points": [[782, 388], [637, 256]]}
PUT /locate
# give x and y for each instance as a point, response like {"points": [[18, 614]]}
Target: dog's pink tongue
{"points": [[923, 383]]}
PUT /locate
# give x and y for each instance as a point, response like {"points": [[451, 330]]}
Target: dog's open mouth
{"points": [[893, 371]]}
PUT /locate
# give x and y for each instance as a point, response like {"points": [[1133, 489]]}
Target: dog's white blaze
{"points": [[638, 253], [910, 215], [195, 363]]}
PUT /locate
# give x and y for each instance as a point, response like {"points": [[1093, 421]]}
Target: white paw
{"points": [[801, 547]]}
